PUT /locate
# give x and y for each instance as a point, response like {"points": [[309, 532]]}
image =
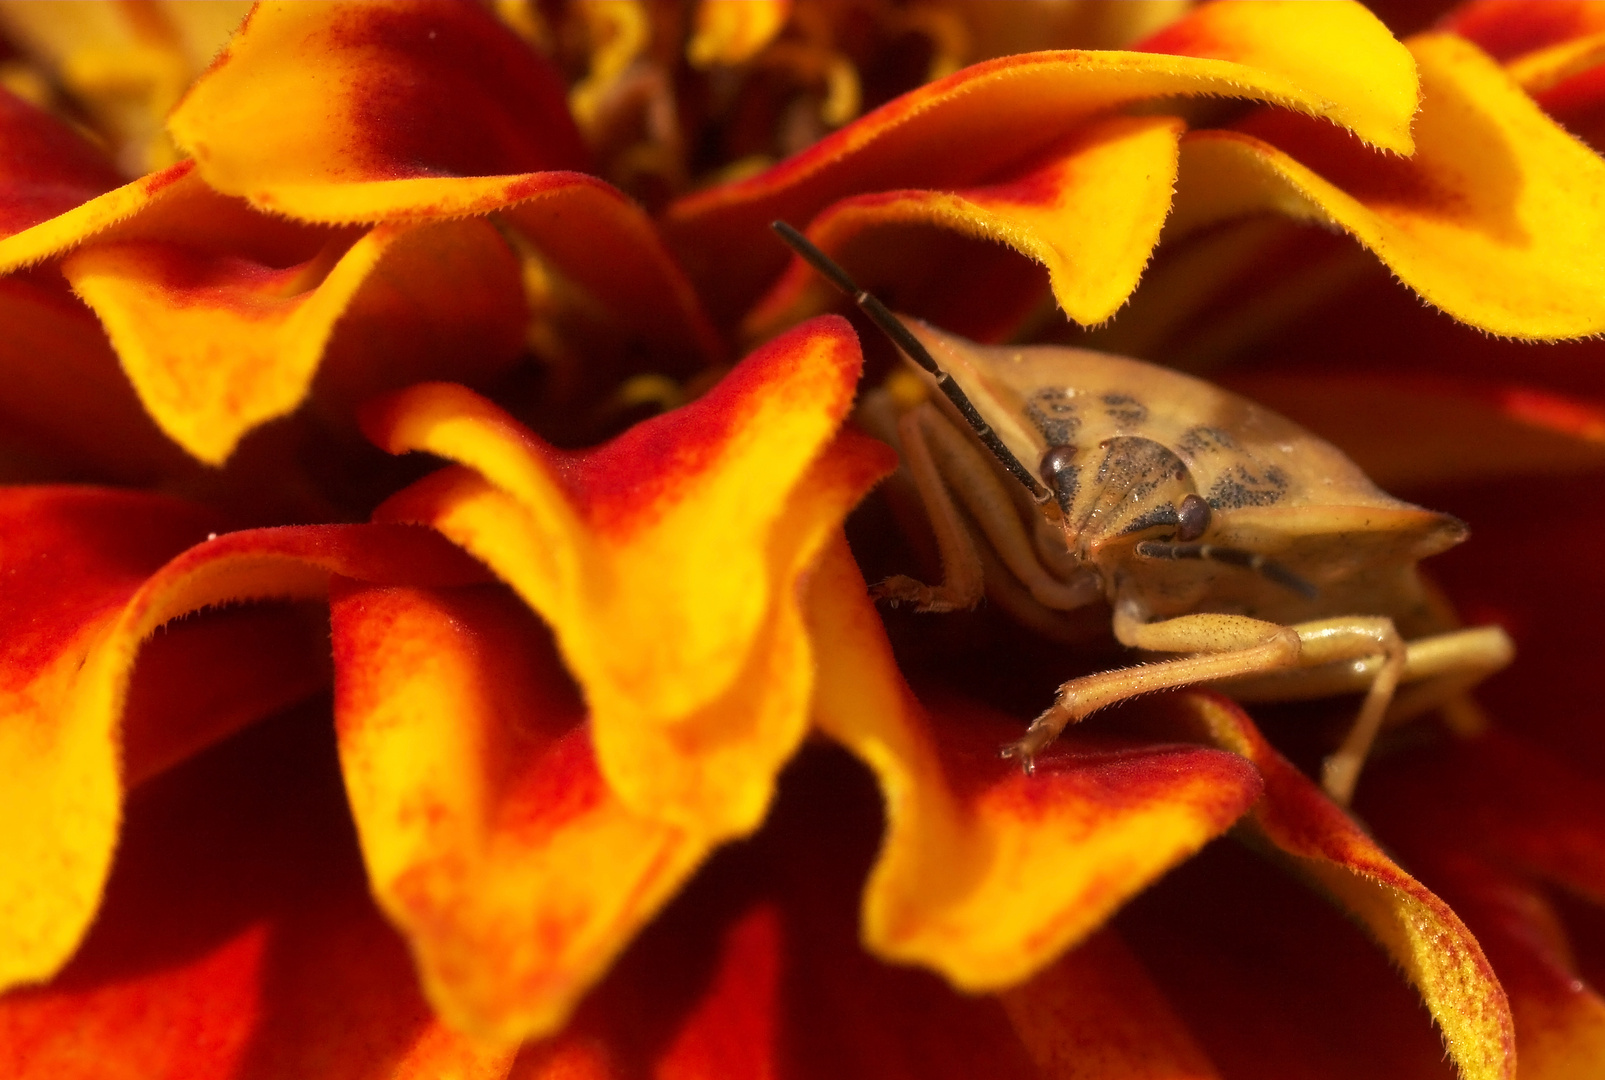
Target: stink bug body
{"points": [[1214, 529]]}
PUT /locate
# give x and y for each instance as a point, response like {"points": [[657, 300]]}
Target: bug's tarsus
{"points": [[904, 339], [1248, 560]]}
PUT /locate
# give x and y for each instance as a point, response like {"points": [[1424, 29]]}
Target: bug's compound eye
{"points": [[1192, 518], [1055, 461]]}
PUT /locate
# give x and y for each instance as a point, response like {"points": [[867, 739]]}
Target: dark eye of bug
{"points": [[1054, 462], [1192, 518]]}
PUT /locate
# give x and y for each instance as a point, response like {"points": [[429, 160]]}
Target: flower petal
{"points": [[1486, 820], [63, 399], [334, 112], [666, 561], [986, 874], [491, 839], [238, 940], [1497, 219], [1003, 110], [730, 32], [1419, 931], [77, 630], [216, 345], [1118, 172], [48, 168]]}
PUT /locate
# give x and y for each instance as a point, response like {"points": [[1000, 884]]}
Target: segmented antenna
{"points": [[1248, 560], [904, 339]]}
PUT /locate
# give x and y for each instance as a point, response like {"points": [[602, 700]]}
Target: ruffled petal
{"points": [[64, 398], [334, 112], [986, 874], [1014, 107], [1118, 172], [93, 596], [47, 169], [238, 940], [666, 561], [1408, 431], [1486, 821], [1497, 219], [216, 345], [491, 839], [1418, 930]]}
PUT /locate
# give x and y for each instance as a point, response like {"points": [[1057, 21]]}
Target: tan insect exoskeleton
{"points": [[1214, 528]]}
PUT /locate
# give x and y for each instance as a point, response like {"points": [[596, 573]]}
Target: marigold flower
{"points": [[588, 753]]}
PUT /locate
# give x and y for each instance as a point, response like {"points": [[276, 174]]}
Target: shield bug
{"points": [[1253, 554]]}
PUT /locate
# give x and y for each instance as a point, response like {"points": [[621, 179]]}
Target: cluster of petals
{"points": [[566, 683]]}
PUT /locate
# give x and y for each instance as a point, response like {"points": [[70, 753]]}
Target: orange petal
{"points": [[1497, 219], [666, 561], [960, 885], [216, 344], [1508, 29], [1118, 172], [64, 399], [491, 839], [731, 31], [1419, 931], [78, 630], [48, 168], [1013, 107], [1408, 431], [238, 940], [1486, 820], [338, 113], [1273, 980], [1096, 1013]]}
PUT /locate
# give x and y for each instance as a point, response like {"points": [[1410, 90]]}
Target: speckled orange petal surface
{"points": [[986, 874], [1332, 60], [341, 112], [1420, 932], [491, 839], [84, 592], [1497, 219], [238, 941], [665, 561], [1118, 172]]}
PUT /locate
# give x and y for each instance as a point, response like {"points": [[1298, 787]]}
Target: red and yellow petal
{"points": [[986, 875], [216, 344], [1497, 218], [1118, 172], [238, 939], [96, 591], [1428, 941], [665, 562], [491, 839], [1004, 110], [339, 112]]}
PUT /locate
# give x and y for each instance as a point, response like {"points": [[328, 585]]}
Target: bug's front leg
{"points": [[944, 462], [1225, 646]]}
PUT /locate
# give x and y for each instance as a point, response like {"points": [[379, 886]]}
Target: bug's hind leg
{"points": [[1225, 646], [1357, 638]]}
